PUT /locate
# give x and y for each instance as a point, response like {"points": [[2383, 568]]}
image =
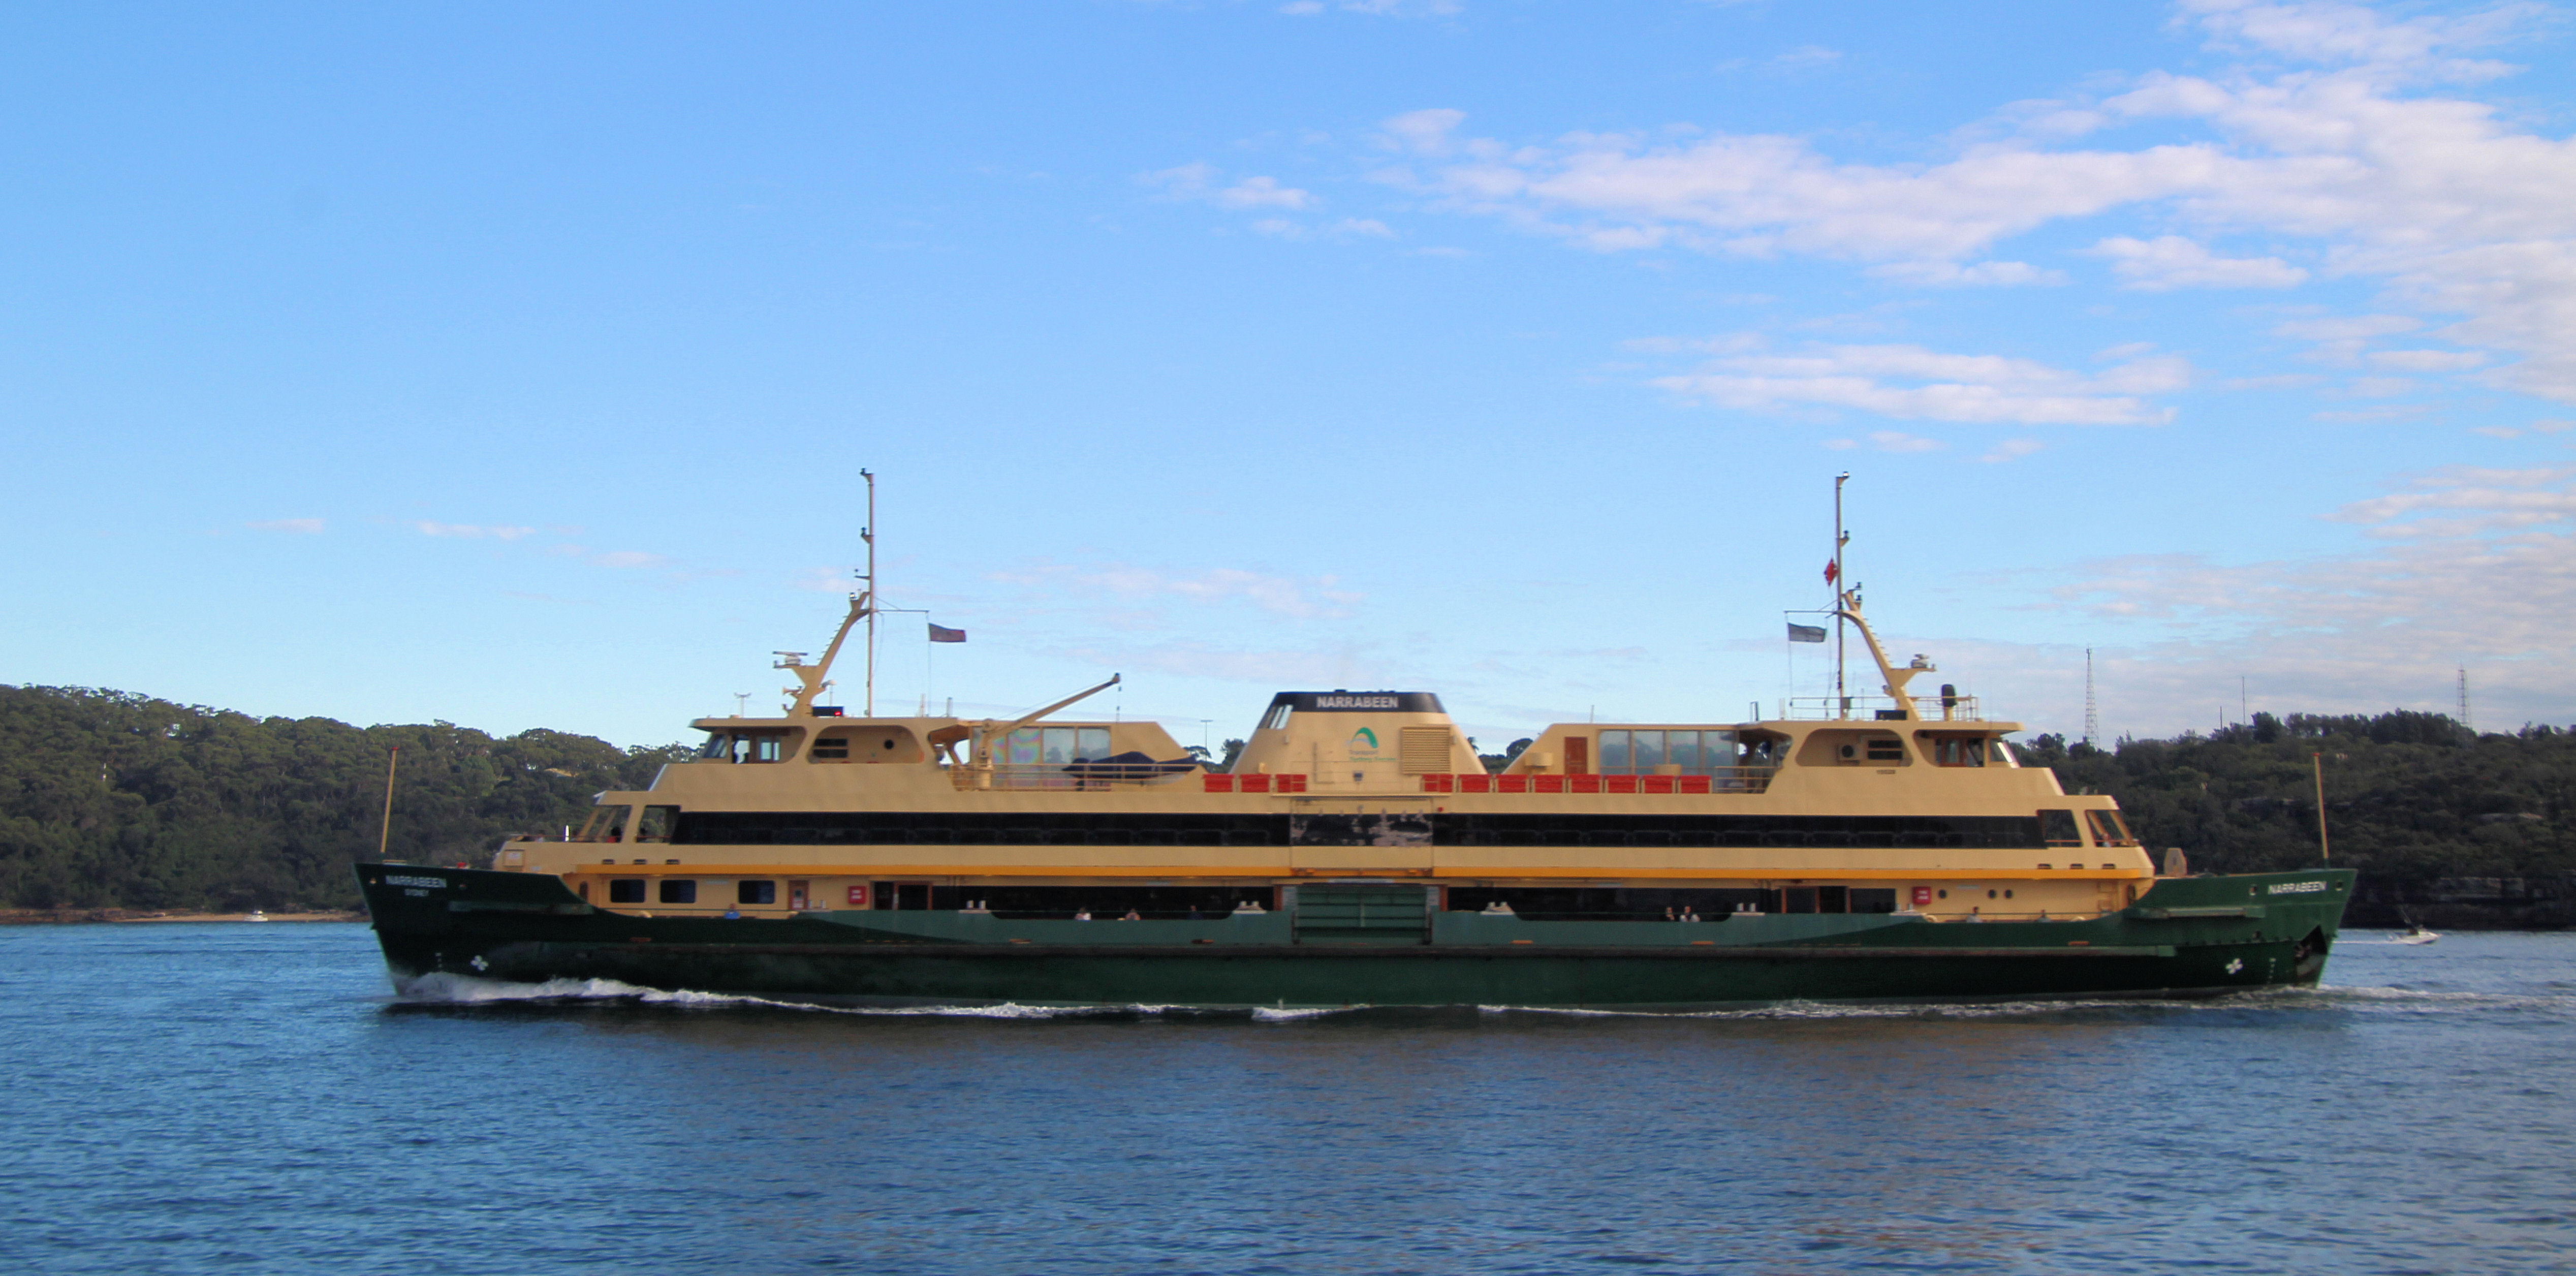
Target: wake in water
{"points": [[446, 989], [467, 990]]}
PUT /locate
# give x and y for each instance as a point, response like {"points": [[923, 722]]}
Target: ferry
{"points": [[1357, 852]]}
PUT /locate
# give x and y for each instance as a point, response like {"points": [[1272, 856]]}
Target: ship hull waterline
{"points": [[2187, 938]]}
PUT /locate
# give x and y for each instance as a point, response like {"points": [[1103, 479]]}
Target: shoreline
{"points": [[80, 916]]}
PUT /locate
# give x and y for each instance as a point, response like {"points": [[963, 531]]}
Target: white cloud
{"points": [[2473, 500], [2474, 565], [1912, 383], [2457, 211], [2348, 327], [627, 559], [2011, 450], [1998, 273], [2339, 338], [2365, 416], [1403, 8], [1330, 667], [301, 526], [1897, 441], [1424, 132], [2426, 360], [2171, 261], [1261, 192], [1347, 227], [472, 531], [1200, 181], [2331, 31]]}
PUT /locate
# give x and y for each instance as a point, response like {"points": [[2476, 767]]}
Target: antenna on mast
{"points": [[2092, 718], [2464, 699]]}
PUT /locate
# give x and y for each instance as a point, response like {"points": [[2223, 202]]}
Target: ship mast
{"points": [[1842, 697], [863, 604], [869, 534]]}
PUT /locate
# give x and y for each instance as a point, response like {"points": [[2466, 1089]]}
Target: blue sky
{"points": [[514, 366]]}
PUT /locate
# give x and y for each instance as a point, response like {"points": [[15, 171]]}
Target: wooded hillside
{"points": [[2411, 798], [112, 800]]}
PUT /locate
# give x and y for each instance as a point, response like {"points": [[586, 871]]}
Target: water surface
{"points": [[252, 1098]]}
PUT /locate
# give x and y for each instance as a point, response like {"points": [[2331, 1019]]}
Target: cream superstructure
{"points": [[1918, 796]]}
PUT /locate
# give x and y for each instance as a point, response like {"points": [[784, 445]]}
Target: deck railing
{"points": [[1732, 779], [1880, 708], [1020, 777]]}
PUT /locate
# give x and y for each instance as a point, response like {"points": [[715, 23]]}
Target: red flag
{"points": [[1832, 570], [942, 633]]}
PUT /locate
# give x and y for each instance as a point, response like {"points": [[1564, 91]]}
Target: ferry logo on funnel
{"points": [[1364, 740]]}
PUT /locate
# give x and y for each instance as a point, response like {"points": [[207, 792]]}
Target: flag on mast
{"points": [[941, 633], [1833, 569], [1806, 633]]}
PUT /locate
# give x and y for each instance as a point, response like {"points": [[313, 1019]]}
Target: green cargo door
{"points": [[1363, 914]]}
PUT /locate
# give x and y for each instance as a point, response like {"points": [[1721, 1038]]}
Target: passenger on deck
{"points": [[1082, 915], [1132, 916], [1194, 912]]}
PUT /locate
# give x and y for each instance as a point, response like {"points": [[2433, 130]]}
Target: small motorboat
{"points": [[2414, 934], [255, 916]]}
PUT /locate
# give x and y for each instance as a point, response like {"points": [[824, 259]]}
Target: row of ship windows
{"points": [[684, 890], [667, 824], [1165, 903]]}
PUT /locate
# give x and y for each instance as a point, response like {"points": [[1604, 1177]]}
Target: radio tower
{"points": [[2464, 699], [2092, 718]]}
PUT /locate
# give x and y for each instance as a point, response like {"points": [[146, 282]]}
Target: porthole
{"points": [[1945, 894], [1990, 894]]}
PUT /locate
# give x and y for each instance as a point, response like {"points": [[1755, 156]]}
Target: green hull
{"points": [[2187, 937]]}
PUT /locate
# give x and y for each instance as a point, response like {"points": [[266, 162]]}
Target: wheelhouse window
{"points": [[656, 824], [679, 890], [1633, 752], [1958, 750], [626, 890], [743, 746], [606, 824], [755, 892], [1057, 746], [2108, 829], [2057, 828]]}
